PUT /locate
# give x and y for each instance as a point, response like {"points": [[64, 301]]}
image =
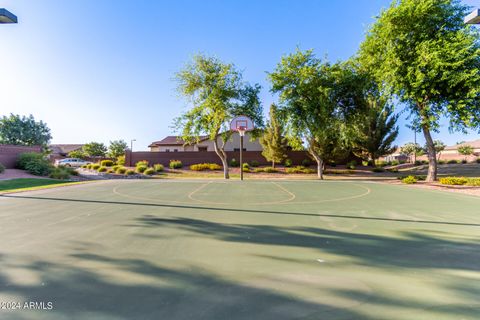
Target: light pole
{"points": [[131, 144], [7, 17]]}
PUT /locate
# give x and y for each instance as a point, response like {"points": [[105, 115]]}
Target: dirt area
{"points": [[17, 173]]}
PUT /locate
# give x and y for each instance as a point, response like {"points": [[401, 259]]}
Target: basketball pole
{"points": [[241, 156]]}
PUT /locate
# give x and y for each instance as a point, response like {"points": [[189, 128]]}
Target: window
{"points": [[167, 150], [238, 149], [175, 150], [202, 149]]}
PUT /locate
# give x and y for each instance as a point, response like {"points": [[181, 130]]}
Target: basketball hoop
{"points": [[241, 124]]}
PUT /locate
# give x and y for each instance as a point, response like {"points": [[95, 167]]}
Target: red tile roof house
{"points": [[176, 144], [60, 151]]}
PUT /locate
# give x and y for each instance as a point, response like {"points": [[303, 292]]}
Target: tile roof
{"points": [[64, 148], [475, 144], [173, 141]]}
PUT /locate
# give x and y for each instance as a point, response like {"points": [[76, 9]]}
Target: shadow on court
{"points": [[414, 250], [252, 211]]}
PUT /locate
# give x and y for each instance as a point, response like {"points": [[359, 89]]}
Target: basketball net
{"points": [[241, 130]]}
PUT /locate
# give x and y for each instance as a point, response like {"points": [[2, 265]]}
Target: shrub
{"points": [[473, 182], [454, 181], [106, 163], [205, 166], [234, 163], [306, 162], [378, 169], [403, 161], [141, 169], [410, 180], [257, 170], [336, 171], [269, 170], [102, 169], [149, 171], [464, 161], [59, 173], [246, 165], [418, 177], [89, 166], [121, 170], [129, 172], [395, 163], [478, 160], [299, 169], [2, 168], [158, 167], [121, 160], [110, 170], [381, 163], [175, 164], [452, 161], [333, 164], [245, 169], [254, 163], [95, 166], [143, 163], [351, 165], [27, 157], [441, 162], [392, 170], [115, 167], [39, 167], [288, 163], [418, 162]]}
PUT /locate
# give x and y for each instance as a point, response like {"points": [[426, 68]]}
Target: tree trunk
{"points": [[273, 164], [432, 158], [319, 161], [223, 157]]}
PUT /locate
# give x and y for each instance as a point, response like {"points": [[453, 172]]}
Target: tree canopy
{"points": [[94, 149], [273, 139], [22, 130], [117, 148], [422, 52]]}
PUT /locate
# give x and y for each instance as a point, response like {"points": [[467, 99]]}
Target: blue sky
{"points": [[102, 70]]}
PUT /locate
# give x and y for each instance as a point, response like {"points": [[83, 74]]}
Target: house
{"points": [[176, 144], [62, 150], [453, 150]]}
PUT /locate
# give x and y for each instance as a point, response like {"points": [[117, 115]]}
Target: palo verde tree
{"points": [[217, 93], [429, 59], [94, 149], [439, 147], [315, 100], [409, 149], [273, 139], [25, 131], [375, 130], [465, 150]]}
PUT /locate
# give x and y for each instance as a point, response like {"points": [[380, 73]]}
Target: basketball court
{"points": [[156, 249]]}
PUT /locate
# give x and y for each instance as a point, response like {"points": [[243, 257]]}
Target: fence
{"points": [[194, 157], [9, 153]]}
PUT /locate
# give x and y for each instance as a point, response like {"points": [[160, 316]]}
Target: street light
{"points": [[473, 18], [131, 144], [7, 17]]}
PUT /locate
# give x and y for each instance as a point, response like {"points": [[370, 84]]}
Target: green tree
{"points": [[217, 94], [95, 149], [21, 130], [80, 154], [273, 140], [439, 147], [376, 130], [410, 148], [117, 148], [465, 150], [316, 98], [424, 54]]}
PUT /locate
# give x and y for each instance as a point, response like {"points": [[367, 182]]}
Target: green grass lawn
{"points": [[215, 250], [24, 184]]}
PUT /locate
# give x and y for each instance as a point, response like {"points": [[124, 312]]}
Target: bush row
{"points": [[459, 181], [205, 166]]}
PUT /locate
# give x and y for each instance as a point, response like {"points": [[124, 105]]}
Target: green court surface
{"points": [[156, 249]]}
